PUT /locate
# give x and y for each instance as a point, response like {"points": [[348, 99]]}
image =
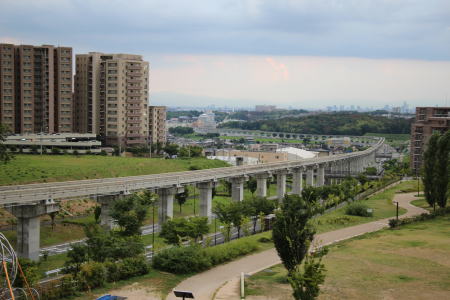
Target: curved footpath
{"points": [[224, 278]]}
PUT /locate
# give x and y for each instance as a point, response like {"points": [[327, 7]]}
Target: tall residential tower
{"points": [[36, 88], [428, 121], [111, 97]]}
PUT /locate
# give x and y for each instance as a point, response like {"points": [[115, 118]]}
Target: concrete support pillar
{"points": [[321, 175], [310, 176], [28, 227], [261, 184], [281, 185], [237, 188], [165, 204], [106, 202], [297, 181], [205, 189]]}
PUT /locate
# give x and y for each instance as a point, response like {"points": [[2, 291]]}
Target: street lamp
{"points": [[396, 202], [418, 182]]}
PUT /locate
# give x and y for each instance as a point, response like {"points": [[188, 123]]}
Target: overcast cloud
{"points": [[228, 40]]}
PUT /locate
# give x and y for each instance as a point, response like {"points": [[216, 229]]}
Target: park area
{"points": [[390, 264]]}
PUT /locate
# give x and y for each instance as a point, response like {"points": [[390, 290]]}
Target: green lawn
{"points": [[411, 262], [49, 168], [381, 204]]}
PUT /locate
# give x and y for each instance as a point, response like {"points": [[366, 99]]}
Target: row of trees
{"points": [[337, 123], [436, 169]]}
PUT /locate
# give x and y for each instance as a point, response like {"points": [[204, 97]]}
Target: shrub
{"points": [[393, 223], [56, 151], [181, 260], [226, 252], [103, 153], [92, 275], [133, 266], [358, 209]]}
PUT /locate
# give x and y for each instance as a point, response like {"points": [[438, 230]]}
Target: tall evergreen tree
{"points": [[442, 169], [429, 170]]}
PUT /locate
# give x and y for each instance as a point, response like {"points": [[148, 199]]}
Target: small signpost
{"points": [[184, 294]]}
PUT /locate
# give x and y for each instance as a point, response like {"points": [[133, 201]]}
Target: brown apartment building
{"points": [[428, 121], [111, 96], [157, 124], [36, 88]]}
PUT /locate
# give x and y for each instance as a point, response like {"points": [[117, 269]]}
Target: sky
{"points": [[298, 53]]}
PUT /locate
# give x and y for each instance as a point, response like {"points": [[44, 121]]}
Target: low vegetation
{"points": [[49, 168]]}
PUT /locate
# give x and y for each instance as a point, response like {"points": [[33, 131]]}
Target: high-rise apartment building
{"points": [[157, 124], [36, 88], [428, 121], [111, 97]]}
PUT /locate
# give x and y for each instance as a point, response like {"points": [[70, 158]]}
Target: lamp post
{"points": [[215, 230], [418, 182], [396, 202], [153, 229]]}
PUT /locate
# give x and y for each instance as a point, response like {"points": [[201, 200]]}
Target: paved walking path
{"points": [[223, 277]]}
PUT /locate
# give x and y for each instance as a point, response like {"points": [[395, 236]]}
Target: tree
{"points": [[176, 230], [252, 185], [129, 212], [231, 213], [171, 149], [182, 197], [293, 234], [305, 284], [52, 217], [442, 169], [429, 170], [254, 207], [75, 258], [293, 231], [97, 213], [5, 156], [180, 130]]}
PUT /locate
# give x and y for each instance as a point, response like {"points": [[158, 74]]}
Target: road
{"points": [[205, 284]]}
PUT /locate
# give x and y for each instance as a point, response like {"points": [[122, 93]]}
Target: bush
{"points": [[226, 252], [133, 266], [92, 275], [103, 153], [181, 260], [358, 209]]}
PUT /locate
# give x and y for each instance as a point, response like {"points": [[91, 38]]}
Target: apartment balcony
{"points": [[133, 87], [134, 114], [133, 135], [129, 101], [134, 74], [135, 67], [133, 80], [134, 142], [133, 94], [133, 121]]}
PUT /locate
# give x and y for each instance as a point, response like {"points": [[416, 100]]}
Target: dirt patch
{"points": [[136, 292]]}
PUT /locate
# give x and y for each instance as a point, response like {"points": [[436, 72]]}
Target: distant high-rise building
{"points": [[428, 121], [36, 88], [111, 97], [265, 108], [157, 124]]}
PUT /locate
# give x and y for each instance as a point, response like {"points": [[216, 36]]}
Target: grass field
{"points": [[412, 262], [50, 168], [381, 204]]}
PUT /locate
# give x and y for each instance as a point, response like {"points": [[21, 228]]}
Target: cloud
{"points": [[413, 29]]}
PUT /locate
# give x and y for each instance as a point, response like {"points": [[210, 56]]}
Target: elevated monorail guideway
{"points": [[30, 201], [20, 194]]}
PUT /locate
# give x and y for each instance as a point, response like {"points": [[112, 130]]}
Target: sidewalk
{"points": [[223, 278]]}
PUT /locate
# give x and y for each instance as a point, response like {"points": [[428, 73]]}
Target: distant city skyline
{"points": [[304, 54]]}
